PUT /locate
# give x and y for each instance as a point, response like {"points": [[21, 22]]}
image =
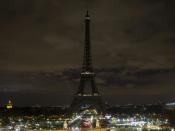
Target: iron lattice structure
{"points": [[84, 97], [87, 77]]}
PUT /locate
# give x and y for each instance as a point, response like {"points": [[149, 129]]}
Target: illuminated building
{"points": [[9, 105]]}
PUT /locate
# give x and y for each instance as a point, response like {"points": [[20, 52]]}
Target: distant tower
{"points": [[9, 105], [87, 94], [87, 81]]}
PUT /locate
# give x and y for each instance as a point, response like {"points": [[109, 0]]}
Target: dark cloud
{"points": [[113, 83], [44, 35], [132, 40]]}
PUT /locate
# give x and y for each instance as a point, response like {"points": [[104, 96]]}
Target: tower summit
{"points": [[87, 61], [87, 94]]}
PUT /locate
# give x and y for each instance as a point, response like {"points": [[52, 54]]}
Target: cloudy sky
{"points": [[41, 50]]}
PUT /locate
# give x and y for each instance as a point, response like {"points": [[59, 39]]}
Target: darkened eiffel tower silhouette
{"points": [[87, 95]]}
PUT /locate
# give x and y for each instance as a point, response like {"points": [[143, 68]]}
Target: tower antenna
{"points": [[87, 5]]}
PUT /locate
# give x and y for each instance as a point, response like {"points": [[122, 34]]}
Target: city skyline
{"points": [[42, 47]]}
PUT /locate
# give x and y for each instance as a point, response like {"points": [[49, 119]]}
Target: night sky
{"points": [[42, 41]]}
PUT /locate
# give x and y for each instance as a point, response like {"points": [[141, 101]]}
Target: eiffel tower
{"points": [[87, 95]]}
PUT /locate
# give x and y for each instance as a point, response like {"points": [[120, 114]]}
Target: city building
{"points": [[9, 105]]}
